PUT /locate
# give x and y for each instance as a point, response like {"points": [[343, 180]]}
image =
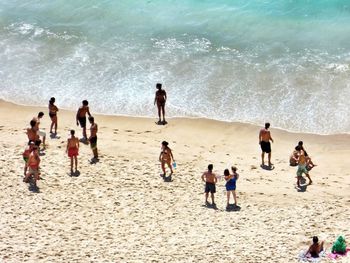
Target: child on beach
{"points": [[26, 154], [73, 150], [93, 137], [33, 165], [165, 157], [53, 114], [231, 185], [302, 163], [210, 180], [32, 133], [81, 116]]}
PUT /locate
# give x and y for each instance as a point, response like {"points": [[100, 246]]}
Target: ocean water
{"points": [[283, 61]]}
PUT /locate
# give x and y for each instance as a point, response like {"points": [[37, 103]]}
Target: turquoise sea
{"points": [[283, 61]]}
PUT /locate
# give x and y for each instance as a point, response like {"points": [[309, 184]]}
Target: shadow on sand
{"points": [[267, 167], [233, 208], [32, 186], [74, 174], [54, 136], [303, 185], [211, 206]]}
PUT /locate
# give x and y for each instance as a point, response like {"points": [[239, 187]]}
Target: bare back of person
{"points": [[160, 97], [73, 142], [210, 177], [265, 135], [82, 111], [93, 130]]}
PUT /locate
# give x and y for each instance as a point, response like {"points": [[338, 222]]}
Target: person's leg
{"points": [[262, 158], [308, 176], [76, 162], [163, 168], [212, 198], [206, 197], [56, 125], [159, 112], [95, 152], [52, 123], [269, 156], [71, 164], [234, 196], [170, 167], [25, 168], [228, 198], [163, 112], [84, 133]]}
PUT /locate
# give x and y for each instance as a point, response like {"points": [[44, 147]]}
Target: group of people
{"points": [[338, 247], [210, 179], [37, 140]]}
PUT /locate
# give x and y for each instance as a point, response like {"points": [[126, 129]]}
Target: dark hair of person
{"points": [[234, 168], [159, 85], [315, 239], [226, 172], [297, 148], [165, 143], [32, 123], [72, 132], [85, 102], [300, 143], [210, 167], [91, 119], [40, 114], [52, 100], [267, 125]]}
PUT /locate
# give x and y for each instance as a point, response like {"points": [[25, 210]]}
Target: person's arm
{"points": [[203, 175], [77, 117], [237, 176], [270, 136], [165, 97], [172, 156], [88, 111], [260, 136], [215, 179], [155, 99], [67, 145], [160, 156]]}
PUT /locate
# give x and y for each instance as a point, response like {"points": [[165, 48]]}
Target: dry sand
{"points": [[121, 210]]}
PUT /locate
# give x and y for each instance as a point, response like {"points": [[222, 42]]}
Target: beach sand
{"points": [[121, 210]]}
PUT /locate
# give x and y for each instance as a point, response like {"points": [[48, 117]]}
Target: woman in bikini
{"points": [[53, 114], [165, 157]]}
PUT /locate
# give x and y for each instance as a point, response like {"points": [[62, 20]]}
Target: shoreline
{"points": [[186, 117], [120, 210]]}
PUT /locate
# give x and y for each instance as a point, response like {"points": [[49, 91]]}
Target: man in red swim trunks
{"points": [[73, 150], [160, 99]]}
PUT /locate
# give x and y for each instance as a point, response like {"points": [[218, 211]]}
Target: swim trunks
{"points": [[301, 169], [82, 121], [73, 151], [93, 142], [209, 187], [231, 184], [265, 146], [52, 115]]}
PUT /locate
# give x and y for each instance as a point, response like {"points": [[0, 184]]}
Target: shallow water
{"points": [[287, 62]]}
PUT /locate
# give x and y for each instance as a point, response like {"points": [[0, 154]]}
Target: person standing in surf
{"points": [[160, 99], [81, 117], [264, 141]]}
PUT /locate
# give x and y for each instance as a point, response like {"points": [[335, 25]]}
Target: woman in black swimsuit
{"points": [[53, 114]]}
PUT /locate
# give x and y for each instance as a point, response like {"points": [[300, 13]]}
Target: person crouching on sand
{"points": [[231, 185], [210, 180], [73, 150], [26, 154], [165, 157], [315, 249], [33, 164]]}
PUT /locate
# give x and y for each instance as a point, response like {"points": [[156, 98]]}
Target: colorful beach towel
{"points": [[337, 256]]}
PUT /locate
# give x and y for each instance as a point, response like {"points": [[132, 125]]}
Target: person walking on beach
{"points": [[165, 157], [160, 99], [40, 133], [81, 117], [210, 180], [73, 150], [302, 166], [53, 114], [33, 165], [26, 154], [264, 141], [231, 180], [93, 137]]}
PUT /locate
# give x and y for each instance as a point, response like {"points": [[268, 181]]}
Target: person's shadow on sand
{"points": [[267, 167], [211, 206], [303, 185], [233, 208], [167, 179], [54, 136], [75, 174], [32, 187]]}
